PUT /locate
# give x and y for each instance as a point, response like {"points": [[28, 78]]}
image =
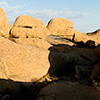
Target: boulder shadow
{"points": [[61, 63], [72, 62], [11, 90]]}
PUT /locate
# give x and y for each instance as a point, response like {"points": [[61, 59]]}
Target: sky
{"points": [[84, 14]]}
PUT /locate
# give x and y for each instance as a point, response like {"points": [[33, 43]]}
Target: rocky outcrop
{"points": [[3, 19], [22, 63], [61, 27], [4, 25], [27, 63], [64, 90], [30, 31], [94, 36], [65, 28], [26, 26], [24, 58], [78, 36]]}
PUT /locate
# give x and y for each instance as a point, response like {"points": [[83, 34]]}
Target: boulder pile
{"points": [[50, 62]]}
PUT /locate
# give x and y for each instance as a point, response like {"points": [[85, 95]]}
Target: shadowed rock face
{"points": [[64, 90], [9, 86], [71, 61], [97, 51], [96, 68]]}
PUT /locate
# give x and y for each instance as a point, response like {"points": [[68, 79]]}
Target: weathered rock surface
{"points": [[26, 26], [3, 19], [61, 26], [78, 36], [64, 90], [39, 43], [58, 42], [27, 63], [22, 63], [94, 36], [4, 25], [65, 28], [30, 31]]}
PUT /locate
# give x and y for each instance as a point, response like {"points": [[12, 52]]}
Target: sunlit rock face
{"points": [[30, 31], [22, 63], [4, 25], [65, 28]]}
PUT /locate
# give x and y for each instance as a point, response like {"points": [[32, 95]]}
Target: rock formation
{"points": [[61, 26], [65, 28], [4, 25], [26, 26], [30, 59], [22, 63], [30, 31], [94, 36]]}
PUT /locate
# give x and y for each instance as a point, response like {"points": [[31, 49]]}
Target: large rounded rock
{"points": [[22, 63], [26, 26], [64, 90], [4, 25], [61, 26], [65, 28], [30, 31], [3, 19]]}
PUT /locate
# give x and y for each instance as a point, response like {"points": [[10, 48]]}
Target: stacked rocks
{"points": [[29, 60]]}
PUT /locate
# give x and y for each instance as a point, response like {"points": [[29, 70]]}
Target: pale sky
{"points": [[85, 14]]}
